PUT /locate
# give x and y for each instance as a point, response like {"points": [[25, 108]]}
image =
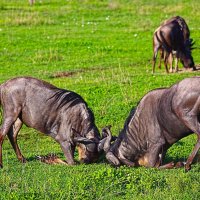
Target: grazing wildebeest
{"points": [[162, 117], [59, 113], [172, 39]]}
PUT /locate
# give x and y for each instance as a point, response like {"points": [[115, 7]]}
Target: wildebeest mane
{"points": [[133, 110], [63, 97], [131, 114]]}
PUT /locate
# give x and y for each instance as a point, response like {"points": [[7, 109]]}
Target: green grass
{"points": [[107, 46]]}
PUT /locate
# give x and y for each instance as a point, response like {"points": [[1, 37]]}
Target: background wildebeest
{"points": [[162, 117], [61, 114], [172, 39]]}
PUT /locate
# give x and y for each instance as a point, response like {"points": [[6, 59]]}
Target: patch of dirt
{"points": [[63, 74], [72, 73]]}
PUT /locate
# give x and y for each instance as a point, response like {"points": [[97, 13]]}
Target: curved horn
{"points": [[106, 131], [101, 144], [83, 140], [104, 144], [80, 139], [190, 43]]}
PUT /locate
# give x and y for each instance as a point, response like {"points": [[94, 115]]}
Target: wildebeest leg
{"points": [[167, 166], [157, 160], [12, 135], [176, 63], [192, 155], [155, 156], [170, 60], [191, 121], [161, 57], [125, 161], [1, 142], [68, 150], [179, 164], [6, 125], [155, 52], [112, 159], [166, 61]]}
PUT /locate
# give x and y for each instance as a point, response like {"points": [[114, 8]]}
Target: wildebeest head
{"points": [[88, 153], [185, 55], [88, 146], [89, 149]]}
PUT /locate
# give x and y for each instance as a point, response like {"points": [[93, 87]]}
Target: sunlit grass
{"points": [[103, 51]]}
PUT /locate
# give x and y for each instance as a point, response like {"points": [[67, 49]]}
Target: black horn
{"points": [[83, 140]]}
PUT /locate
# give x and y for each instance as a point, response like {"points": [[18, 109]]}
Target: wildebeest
{"points": [[59, 113], [162, 117], [172, 39]]}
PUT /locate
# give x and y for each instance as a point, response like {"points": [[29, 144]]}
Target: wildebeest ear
{"points": [[83, 140], [192, 48]]}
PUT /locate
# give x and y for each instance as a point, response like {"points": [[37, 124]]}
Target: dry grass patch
{"points": [[21, 17]]}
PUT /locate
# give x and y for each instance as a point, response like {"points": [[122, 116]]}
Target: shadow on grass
{"points": [[101, 159], [58, 158]]}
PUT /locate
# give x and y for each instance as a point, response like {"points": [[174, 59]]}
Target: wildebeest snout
{"points": [[188, 62], [88, 153]]}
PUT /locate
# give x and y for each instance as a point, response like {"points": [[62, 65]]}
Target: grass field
{"points": [[101, 49]]}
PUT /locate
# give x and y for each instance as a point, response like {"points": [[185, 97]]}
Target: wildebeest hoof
{"points": [[187, 168], [179, 164], [71, 163], [23, 160]]}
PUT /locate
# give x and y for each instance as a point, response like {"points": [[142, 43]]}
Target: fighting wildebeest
{"points": [[172, 39], [59, 113], [162, 117]]}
